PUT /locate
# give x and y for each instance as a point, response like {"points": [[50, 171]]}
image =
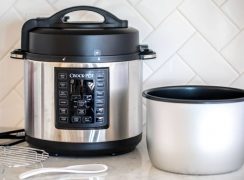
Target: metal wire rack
{"points": [[17, 156]]}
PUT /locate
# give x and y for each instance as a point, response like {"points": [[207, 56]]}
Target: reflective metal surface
{"points": [[125, 102], [195, 138]]}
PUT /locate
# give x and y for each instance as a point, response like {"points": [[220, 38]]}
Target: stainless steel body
{"points": [[195, 138], [124, 111]]}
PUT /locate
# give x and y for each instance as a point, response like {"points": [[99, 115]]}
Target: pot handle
{"points": [[59, 20], [110, 21]]}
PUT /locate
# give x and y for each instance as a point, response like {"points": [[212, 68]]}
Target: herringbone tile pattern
{"points": [[197, 42]]}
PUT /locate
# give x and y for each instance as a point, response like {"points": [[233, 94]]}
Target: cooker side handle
{"points": [[146, 53]]}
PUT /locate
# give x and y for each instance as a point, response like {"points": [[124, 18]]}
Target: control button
{"points": [[63, 119], [75, 97], [62, 85], [63, 102], [100, 93], [100, 119], [75, 119], [81, 111], [81, 103], [63, 110], [63, 94], [100, 76], [99, 105], [62, 76], [87, 97], [100, 110], [100, 84], [99, 101], [87, 119]]}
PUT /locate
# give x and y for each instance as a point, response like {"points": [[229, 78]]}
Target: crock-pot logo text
{"points": [[83, 75]]}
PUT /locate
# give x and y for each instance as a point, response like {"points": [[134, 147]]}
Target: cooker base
{"points": [[55, 148]]}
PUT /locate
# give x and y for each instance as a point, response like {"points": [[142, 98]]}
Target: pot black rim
{"points": [[147, 94]]}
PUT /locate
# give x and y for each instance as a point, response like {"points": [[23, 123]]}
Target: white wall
{"points": [[197, 42]]}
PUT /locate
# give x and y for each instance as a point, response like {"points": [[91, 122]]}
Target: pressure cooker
{"points": [[82, 84]]}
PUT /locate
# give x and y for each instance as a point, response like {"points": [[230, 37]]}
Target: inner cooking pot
{"points": [[195, 129], [195, 94]]}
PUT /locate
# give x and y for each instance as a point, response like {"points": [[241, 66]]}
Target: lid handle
{"points": [[110, 21], [59, 19]]}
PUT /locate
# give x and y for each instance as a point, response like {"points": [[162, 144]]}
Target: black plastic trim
{"points": [[57, 20], [207, 92], [82, 59], [86, 149]]}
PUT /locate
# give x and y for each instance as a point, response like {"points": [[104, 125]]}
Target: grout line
{"points": [[172, 55], [156, 27], [233, 68], [223, 3], [228, 62], [17, 86], [219, 5], [182, 1], [16, 92], [236, 79], [6, 53], [191, 67], [138, 2], [140, 15], [135, 3], [95, 3], [19, 13], [52, 6], [195, 75], [163, 20], [11, 90], [228, 17], [227, 44], [7, 10], [145, 64], [18, 123]]}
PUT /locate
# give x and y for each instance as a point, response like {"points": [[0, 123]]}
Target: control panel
{"points": [[82, 98]]}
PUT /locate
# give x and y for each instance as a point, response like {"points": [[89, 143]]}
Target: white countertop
{"points": [[131, 166]]}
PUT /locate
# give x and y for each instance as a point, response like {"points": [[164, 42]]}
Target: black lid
{"points": [[55, 39]]}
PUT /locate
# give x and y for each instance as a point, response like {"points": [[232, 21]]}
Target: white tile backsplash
{"points": [[219, 2], [124, 10], [204, 60], [5, 5], [158, 10], [168, 38], [210, 21], [196, 81], [10, 28], [235, 10], [20, 88], [173, 72], [234, 52], [197, 42], [238, 83], [29, 11], [62, 4], [11, 73], [11, 110], [147, 71]]}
